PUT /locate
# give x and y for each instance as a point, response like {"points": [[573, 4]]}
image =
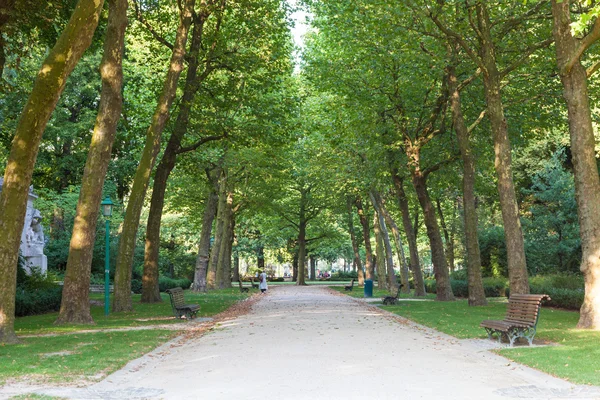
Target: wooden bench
{"points": [[349, 287], [178, 303], [521, 318]]}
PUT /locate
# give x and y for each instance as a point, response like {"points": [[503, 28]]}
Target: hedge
{"points": [[37, 301], [566, 291], [165, 283]]}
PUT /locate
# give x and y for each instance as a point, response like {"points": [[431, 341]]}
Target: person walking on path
{"points": [[263, 282]]}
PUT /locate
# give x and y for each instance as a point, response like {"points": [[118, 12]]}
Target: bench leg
{"points": [[490, 333]]}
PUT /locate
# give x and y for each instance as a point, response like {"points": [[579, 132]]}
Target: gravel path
{"points": [[311, 343]]}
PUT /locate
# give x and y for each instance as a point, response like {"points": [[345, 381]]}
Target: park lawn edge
{"points": [[29, 362], [573, 354]]}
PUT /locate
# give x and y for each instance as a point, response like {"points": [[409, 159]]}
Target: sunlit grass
{"points": [[67, 358], [576, 358], [211, 303]]}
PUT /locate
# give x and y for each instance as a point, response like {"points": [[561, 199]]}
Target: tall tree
{"points": [[366, 238], [150, 291], [475, 282], [48, 86], [357, 261], [75, 305], [484, 44], [122, 297], [574, 76]]}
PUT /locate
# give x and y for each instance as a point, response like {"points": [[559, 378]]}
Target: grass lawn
{"points": [[358, 292], [577, 358], [69, 358], [93, 355], [211, 303]]}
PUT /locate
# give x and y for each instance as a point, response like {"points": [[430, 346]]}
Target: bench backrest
{"points": [[524, 308], [176, 295]]}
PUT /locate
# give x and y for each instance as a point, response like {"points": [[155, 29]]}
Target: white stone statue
{"points": [[32, 237]]}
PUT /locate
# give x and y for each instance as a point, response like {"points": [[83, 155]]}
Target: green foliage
{"points": [[341, 275], [37, 301], [165, 283], [36, 293]]}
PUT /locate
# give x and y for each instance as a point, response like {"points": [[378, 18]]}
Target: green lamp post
{"points": [[107, 206]]}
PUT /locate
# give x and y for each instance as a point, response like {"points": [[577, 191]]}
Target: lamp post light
{"points": [[107, 206]]}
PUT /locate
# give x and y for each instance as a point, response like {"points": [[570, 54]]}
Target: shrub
{"points": [[136, 286], [37, 301], [165, 283], [341, 275], [430, 285]]}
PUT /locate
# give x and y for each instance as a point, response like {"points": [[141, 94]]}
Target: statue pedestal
{"points": [[39, 263]]}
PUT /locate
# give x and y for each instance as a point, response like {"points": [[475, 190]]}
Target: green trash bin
{"points": [[368, 288]]}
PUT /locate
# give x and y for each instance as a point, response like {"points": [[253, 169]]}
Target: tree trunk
{"points": [[224, 260], [357, 263], [236, 267], [212, 279], [48, 86], [587, 182], [150, 291], [475, 282], [210, 210], [75, 305], [448, 237], [302, 240], [515, 247], [313, 269], [122, 297], [260, 257], [391, 275], [295, 267], [399, 248], [411, 237], [442, 278], [379, 251], [367, 239]]}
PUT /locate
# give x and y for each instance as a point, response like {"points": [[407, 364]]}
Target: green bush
{"points": [[165, 283], [342, 276], [493, 287], [37, 301], [136, 286]]}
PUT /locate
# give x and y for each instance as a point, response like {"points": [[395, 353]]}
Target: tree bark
{"points": [[295, 267], [75, 305], [404, 278], [224, 260], [236, 267], [212, 279], [391, 275], [379, 251], [587, 182], [367, 239], [475, 282], [313, 268], [122, 298], [411, 237], [448, 236], [150, 291], [357, 262], [513, 233], [47, 88], [302, 239], [442, 277], [210, 210]]}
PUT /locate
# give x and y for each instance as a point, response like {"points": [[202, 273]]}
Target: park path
{"points": [[311, 343]]}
